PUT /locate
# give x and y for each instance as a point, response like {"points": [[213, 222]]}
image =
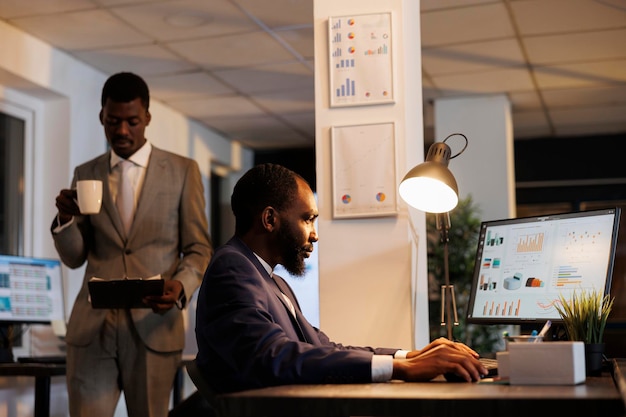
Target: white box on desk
{"points": [[547, 363]]}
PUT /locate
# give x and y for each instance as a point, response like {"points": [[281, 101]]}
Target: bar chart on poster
{"points": [[360, 60]]}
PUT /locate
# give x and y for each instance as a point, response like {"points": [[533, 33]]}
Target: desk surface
{"points": [[42, 372], [32, 369], [598, 396]]}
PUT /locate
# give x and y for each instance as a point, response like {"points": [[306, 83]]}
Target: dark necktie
{"points": [[125, 197], [290, 306]]}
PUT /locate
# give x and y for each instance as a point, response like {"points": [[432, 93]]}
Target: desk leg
{"points": [[42, 396]]}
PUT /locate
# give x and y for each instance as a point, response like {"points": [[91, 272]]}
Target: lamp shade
{"points": [[430, 186]]}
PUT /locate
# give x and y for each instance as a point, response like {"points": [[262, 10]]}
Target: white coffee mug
{"points": [[89, 193]]}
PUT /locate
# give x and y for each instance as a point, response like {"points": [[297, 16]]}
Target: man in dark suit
{"points": [[249, 327], [133, 350]]}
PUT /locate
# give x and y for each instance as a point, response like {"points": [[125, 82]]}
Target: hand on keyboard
{"points": [[490, 364]]}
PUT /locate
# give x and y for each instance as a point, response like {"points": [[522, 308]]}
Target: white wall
{"points": [[63, 95], [371, 270]]}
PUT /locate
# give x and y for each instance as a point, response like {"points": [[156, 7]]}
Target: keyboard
{"points": [[491, 364]]}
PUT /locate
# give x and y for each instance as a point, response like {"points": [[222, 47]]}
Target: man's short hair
{"points": [[124, 87], [262, 186]]}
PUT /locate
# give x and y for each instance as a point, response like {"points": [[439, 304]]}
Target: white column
{"points": [[372, 271], [486, 169]]}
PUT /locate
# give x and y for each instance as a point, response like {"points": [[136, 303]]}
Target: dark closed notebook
{"points": [[123, 293]]}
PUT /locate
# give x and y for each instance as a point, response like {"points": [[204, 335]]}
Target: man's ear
{"points": [[100, 116], [148, 117], [269, 218]]}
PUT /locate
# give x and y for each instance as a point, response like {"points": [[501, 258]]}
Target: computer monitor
{"points": [[31, 290], [524, 264]]}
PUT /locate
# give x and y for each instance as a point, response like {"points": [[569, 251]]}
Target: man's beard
{"points": [[292, 253]]}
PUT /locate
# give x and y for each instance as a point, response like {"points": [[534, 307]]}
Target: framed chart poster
{"points": [[361, 70], [364, 170]]}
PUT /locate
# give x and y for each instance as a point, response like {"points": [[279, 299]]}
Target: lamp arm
{"points": [[443, 225], [448, 304]]}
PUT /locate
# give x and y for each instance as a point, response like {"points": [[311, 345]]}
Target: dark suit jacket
{"points": [[169, 236], [247, 338]]}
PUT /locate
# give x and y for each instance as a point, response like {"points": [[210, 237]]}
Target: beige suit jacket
{"points": [[169, 236]]}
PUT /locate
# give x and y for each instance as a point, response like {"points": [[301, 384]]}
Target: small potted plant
{"points": [[584, 317]]}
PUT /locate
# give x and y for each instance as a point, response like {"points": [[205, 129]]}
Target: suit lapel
{"points": [[275, 285], [153, 181]]}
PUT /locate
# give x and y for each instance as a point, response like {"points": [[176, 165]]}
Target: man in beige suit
{"points": [[138, 350]]}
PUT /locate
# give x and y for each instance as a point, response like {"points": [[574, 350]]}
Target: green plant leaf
{"points": [[585, 314]]}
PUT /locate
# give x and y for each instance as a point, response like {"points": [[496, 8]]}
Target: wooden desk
{"points": [[42, 373], [619, 374], [597, 397]]}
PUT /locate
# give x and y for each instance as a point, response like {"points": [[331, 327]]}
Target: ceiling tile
{"points": [[261, 55], [472, 57], [525, 100], [426, 5], [305, 121], [558, 16], [530, 124], [81, 30], [530, 132], [186, 19], [301, 40], [274, 132], [589, 115], [10, 9], [292, 101], [217, 107], [280, 13], [145, 60], [185, 86], [233, 51], [581, 75], [465, 24], [573, 47], [593, 96], [484, 82], [287, 76], [533, 119], [110, 3]]}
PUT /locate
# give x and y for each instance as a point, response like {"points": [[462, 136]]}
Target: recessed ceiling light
{"points": [[188, 19]]}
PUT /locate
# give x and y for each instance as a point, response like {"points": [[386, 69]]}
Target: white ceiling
{"points": [[245, 67]]}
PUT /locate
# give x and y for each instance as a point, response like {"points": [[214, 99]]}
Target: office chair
{"points": [[199, 403]]}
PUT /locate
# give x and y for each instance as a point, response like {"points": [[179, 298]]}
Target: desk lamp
{"points": [[431, 187]]}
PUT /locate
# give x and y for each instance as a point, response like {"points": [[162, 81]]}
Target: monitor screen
{"points": [[524, 264], [31, 290]]}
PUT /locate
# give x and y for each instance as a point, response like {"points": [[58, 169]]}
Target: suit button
{"points": [[127, 251]]}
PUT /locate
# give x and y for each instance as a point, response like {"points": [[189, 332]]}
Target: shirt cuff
{"points": [[382, 368], [60, 227], [400, 354], [182, 300]]}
